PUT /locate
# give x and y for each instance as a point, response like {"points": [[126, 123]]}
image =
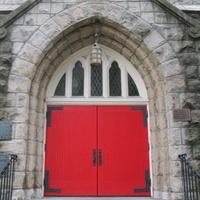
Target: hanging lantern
{"points": [[95, 54]]}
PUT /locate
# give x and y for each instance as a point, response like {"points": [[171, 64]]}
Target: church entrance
{"points": [[97, 151]]}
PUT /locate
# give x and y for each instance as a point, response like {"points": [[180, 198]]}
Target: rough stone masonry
{"points": [[163, 46]]}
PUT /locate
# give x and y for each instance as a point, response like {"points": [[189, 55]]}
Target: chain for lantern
{"points": [[96, 52]]}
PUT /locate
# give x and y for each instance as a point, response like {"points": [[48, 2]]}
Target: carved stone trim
{"points": [[15, 14], [194, 30]]}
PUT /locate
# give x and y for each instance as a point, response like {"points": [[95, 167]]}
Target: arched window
{"points": [[76, 80], [115, 80], [60, 89], [96, 81]]}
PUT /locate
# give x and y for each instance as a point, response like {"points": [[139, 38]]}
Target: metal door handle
{"points": [[100, 157], [94, 157]]}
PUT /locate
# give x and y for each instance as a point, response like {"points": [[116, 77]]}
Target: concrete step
{"points": [[96, 198]]}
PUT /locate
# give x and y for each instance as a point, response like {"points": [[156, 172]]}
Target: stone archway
{"points": [[67, 32]]}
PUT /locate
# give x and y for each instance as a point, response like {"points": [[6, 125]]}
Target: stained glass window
{"points": [[115, 80], [60, 89], [132, 88], [78, 80], [96, 81]]}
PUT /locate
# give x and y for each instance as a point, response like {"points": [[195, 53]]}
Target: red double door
{"points": [[97, 151]]}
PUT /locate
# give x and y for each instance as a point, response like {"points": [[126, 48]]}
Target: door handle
{"points": [[94, 157], [100, 157]]}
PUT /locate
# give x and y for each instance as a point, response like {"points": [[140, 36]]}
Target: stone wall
{"points": [[156, 43]]}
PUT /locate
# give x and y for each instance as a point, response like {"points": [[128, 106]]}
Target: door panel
{"points": [[123, 139], [71, 138], [96, 151]]}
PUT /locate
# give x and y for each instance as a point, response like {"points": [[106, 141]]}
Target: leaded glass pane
{"points": [[115, 80], [78, 80], [60, 89], [96, 81], [132, 88]]}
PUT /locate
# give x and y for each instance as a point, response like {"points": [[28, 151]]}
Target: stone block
{"points": [[40, 133], [188, 100], [193, 85], [29, 194], [192, 72], [40, 41], [19, 179], [76, 46], [164, 53], [116, 46], [32, 132], [33, 117], [31, 147], [38, 180], [196, 152], [174, 137], [172, 101], [129, 20], [171, 32], [154, 40], [153, 123], [18, 194], [42, 18], [195, 114], [148, 17], [13, 147], [175, 168], [175, 84], [115, 12], [29, 180], [20, 131], [39, 149], [19, 84], [20, 164], [64, 19], [56, 7], [39, 163], [30, 53], [50, 29], [80, 12], [175, 151], [31, 163], [22, 33], [171, 68], [22, 100], [176, 184], [30, 19], [191, 136], [126, 53], [44, 8]]}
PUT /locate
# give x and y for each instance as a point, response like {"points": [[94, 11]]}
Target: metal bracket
{"points": [[148, 184], [48, 113], [145, 113], [46, 184]]}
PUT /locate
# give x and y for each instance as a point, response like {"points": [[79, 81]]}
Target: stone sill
{"points": [[4, 9], [194, 8]]}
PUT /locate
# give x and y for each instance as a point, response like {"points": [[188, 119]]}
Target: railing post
{"points": [[6, 179], [191, 179]]}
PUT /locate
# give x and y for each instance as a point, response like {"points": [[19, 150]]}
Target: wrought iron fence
{"points": [[6, 179], [191, 179]]}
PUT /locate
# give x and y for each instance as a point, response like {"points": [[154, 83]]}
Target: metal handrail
{"points": [[6, 179], [191, 179]]}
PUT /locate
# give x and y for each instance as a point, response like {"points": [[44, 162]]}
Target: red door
{"points": [[97, 151]]}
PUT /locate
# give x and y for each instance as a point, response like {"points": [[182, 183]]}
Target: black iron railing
{"points": [[191, 179], [6, 179]]}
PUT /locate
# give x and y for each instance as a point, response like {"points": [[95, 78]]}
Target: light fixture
{"points": [[96, 53]]}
